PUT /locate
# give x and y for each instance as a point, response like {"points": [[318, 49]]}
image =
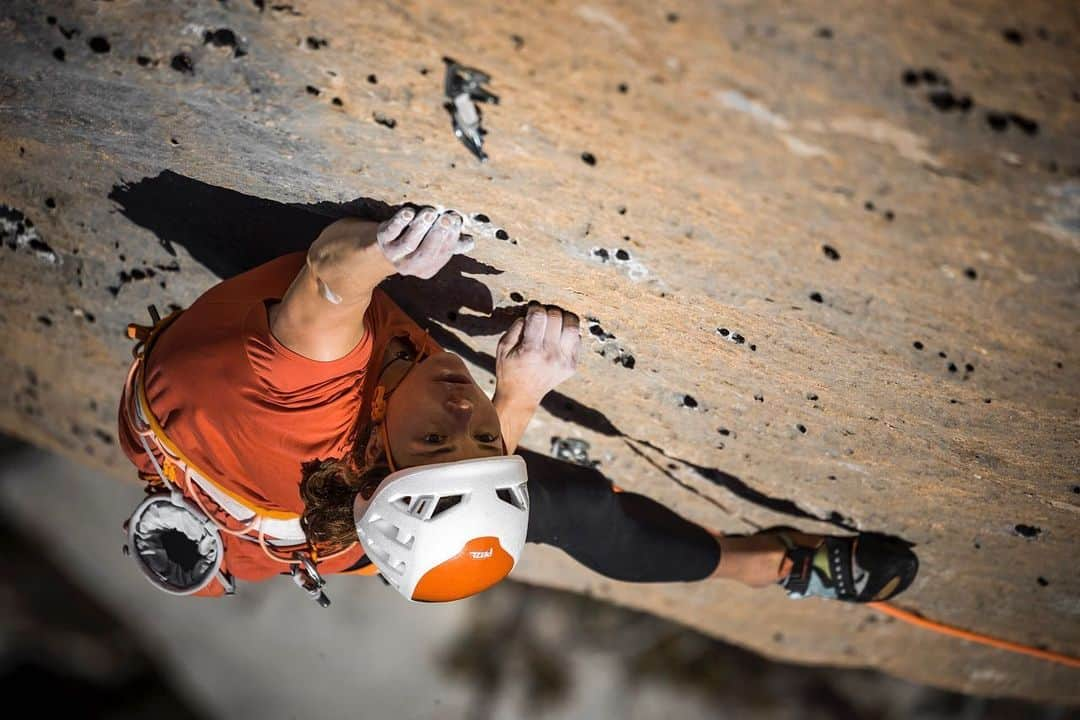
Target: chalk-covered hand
{"points": [[538, 352], [420, 242]]}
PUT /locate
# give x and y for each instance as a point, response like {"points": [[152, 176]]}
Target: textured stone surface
{"points": [[749, 136]]}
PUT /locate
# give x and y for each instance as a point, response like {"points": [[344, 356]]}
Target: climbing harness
{"points": [[175, 516]]}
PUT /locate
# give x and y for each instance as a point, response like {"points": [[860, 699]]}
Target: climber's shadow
{"points": [[229, 232]]}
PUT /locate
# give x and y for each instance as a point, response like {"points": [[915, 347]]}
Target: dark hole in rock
{"points": [[373, 79], [337, 101], [1026, 124], [910, 77], [724, 332], [601, 253], [315, 43], [588, 158], [45, 320], [1043, 582], [824, 32], [1059, 365], [59, 54], [222, 37], [952, 367], [737, 338], [868, 205], [142, 60], [623, 88], [941, 354], [1076, 489], [753, 348], [759, 397], [182, 63], [673, 17], [890, 215], [626, 360], [502, 234], [519, 42], [987, 400], [99, 44], [931, 77], [481, 217], [622, 255], [622, 210], [51, 19], [943, 100], [816, 297], [997, 121], [1028, 531], [517, 297], [969, 367], [811, 396], [723, 431], [917, 345], [385, 121], [970, 273], [801, 428], [312, 90], [830, 252], [689, 401], [954, 402], [424, 71], [50, 203], [1012, 35]]}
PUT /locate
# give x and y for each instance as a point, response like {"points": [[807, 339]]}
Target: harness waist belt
{"points": [[278, 531]]}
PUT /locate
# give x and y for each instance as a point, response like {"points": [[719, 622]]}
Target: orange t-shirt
{"points": [[248, 411]]}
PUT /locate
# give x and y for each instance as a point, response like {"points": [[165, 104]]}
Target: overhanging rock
{"points": [[829, 257]]}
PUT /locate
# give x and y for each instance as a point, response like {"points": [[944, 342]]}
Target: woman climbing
{"points": [[295, 421]]}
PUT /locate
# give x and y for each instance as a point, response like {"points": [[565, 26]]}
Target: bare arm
{"points": [[322, 314], [344, 264]]}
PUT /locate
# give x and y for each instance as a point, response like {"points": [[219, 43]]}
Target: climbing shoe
{"points": [[866, 568]]}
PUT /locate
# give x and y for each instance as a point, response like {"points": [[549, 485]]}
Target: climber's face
{"points": [[437, 413]]}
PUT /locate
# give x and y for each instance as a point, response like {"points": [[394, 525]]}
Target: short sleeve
{"points": [[285, 372]]}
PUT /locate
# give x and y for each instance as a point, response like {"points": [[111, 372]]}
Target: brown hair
{"points": [[328, 489]]}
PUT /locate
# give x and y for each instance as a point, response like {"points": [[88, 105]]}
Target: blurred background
{"points": [[82, 632]]}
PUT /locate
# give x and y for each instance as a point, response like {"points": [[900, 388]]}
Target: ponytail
{"points": [[328, 489]]}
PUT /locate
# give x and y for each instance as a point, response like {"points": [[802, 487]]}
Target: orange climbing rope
{"points": [[943, 629]]}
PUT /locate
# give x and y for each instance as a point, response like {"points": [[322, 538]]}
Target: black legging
{"points": [[622, 535]]}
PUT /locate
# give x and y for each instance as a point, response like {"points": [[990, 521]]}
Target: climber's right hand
{"points": [[420, 241]]}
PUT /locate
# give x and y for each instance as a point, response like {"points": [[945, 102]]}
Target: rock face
{"points": [[830, 254]]}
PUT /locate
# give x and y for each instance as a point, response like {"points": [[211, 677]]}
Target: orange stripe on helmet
{"points": [[479, 565]]}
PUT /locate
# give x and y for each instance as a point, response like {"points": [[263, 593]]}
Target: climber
{"points": [[293, 420]]}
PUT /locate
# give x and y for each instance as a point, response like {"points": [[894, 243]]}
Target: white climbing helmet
{"points": [[445, 531]]}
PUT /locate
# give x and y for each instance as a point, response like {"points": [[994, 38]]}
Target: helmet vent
{"points": [[445, 503], [517, 496]]}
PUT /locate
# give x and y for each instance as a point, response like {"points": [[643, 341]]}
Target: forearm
{"points": [[514, 417], [321, 315], [345, 262]]}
